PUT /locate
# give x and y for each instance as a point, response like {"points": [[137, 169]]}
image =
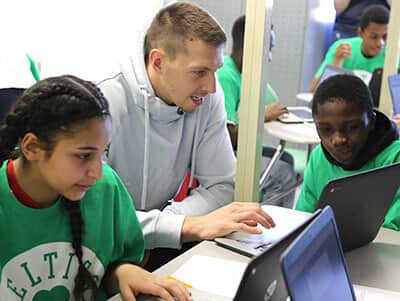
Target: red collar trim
{"points": [[17, 190]]}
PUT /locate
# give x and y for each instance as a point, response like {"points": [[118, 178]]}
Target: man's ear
{"points": [[31, 147], [156, 59]]}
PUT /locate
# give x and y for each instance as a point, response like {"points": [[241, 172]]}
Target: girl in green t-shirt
{"points": [[68, 227]]}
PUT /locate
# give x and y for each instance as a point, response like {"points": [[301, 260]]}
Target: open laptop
{"points": [[287, 221], [394, 85], [314, 267], [300, 114], [262, 278], [360, 203]]}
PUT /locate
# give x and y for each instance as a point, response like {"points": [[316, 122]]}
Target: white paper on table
{"points": [[285, 219], [210, 274]]}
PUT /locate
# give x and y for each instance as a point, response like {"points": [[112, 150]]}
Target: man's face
{"points": [[343, 129], [374, 38], [187, 79]]}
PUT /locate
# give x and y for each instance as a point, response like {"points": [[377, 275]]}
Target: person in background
{"points": [[168, 117], [230, 78], [362, 54], [354, 138], [348, 16], [68, 228]]}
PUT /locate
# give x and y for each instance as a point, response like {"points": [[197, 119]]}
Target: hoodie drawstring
{"points": [[192, 163], [146, 95]]}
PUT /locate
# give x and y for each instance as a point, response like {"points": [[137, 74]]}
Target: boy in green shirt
{"points": [[354, 138], [230, 78], [364, 53]]}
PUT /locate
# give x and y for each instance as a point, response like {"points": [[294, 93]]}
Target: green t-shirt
{"points": [[357, 61], [231, 82], [37, 261], [320, 171]]}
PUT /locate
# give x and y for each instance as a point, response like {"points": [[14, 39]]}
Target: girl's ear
{"points": [[31, 148]]}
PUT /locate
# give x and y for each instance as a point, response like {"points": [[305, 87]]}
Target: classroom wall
{"points": [[301, 29], [87, 38]]}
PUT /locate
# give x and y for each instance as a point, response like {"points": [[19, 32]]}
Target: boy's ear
{"points": [[372, 121], [359, 32], [31, 147]]}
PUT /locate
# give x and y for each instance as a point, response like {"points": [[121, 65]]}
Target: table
{"points": [[375, 265], [301, 133]]}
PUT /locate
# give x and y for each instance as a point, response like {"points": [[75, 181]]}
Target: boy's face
{"points": [[187, 79], [374, 38], [343, 129]]}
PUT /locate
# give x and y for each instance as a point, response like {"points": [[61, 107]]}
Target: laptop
{"points": [[394, 86], [300, 114], [331, 70], [287, 221], [360, 203], [262, 278], [314, 267]]}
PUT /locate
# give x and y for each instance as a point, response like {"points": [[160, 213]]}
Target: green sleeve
{"points": [[392, 218], [129, 240], [33, 67], [271, 95], [328, 58], [308, 200], [231, 95]]}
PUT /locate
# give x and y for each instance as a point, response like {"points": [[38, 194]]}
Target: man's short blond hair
{"points": [[178, 23]]}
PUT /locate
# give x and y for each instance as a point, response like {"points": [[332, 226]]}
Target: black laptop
{"points": [[360, 203], [263, 279]]}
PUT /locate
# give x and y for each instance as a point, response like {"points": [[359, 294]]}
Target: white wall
{"points": [[83, 37]]}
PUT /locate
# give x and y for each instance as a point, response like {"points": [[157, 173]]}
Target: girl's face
{"points": [[75, 163]]}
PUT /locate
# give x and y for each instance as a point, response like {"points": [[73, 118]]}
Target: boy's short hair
{"points": [[179, 22], [238, 33], [374, 14], [343, 87]]}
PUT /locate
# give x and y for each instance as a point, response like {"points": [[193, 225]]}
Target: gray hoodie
{"points": [[153, 146]]}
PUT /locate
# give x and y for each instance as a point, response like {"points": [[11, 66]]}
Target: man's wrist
{"points": [[191, 229]]}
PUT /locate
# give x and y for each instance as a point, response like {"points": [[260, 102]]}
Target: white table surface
{"points": [[375, 265], [304, 133]]}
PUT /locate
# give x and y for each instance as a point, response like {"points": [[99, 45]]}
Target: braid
{"points": [[48, 107], [83, 279]]}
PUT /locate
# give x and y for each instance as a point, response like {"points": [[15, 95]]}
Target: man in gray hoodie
{"points": [[168, 116]]}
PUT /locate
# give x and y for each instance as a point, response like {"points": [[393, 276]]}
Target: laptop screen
{"points": [[331, 70], [314, 267], [394, 84]]}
